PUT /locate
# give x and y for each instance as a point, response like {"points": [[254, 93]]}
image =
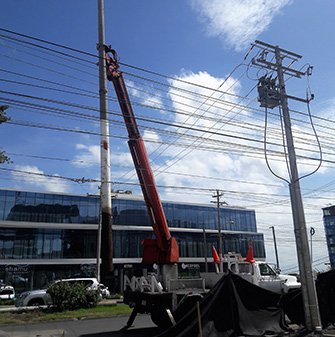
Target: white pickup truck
{"points": [[257, 272]]}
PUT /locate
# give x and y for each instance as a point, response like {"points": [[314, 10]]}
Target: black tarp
{"points": [[233, 307], [325, 288]]}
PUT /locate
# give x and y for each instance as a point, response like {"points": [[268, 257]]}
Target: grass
{"points": [[40, 315]]}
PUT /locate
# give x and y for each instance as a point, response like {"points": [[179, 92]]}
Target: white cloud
{"points": [[89, 155], [146, 94], [152, 140], [122, 159], [36, 177], [212, 96], [238, 22]]}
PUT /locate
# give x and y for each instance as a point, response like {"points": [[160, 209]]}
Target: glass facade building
{"points": [[44, 236], [329, 223]]}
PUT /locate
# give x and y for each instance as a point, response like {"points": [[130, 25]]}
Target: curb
{"points": [[14, 309]]}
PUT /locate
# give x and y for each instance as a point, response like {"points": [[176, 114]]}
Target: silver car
{"points": [[41, 297]]}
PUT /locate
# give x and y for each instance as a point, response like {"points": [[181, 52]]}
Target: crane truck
{"points": [[162, 295], [155, 295]]}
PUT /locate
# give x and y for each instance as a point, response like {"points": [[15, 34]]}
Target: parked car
{"points": [[7, 292], [41, 297], [104, 290]]}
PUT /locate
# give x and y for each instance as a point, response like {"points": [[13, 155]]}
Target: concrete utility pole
{"points": [[310, 302], [105, 191], [218, 195], [275, 243]]}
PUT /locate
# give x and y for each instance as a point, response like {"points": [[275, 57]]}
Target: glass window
{"points": [[201, 217], [8, 248], [2, 195], [27, 249], [114, 214], [10, 196], [248, 221], [122, 216], [212, 219], [87, 211], [38, 245], [9, 210], [56, 208], [182, 248], [168, 210], [67, 200], [188, 218], [30, 200], [232, 216], [137, 214], [18, 248], [223, 219], [2, 210], [266, 270], [176, 216], [74, 210], [253, 223], [195, 216], [58, 199], [238, 219], [182, 216], [244, 268], [47, 243], [47, 246], [49, 199], [39, 198], [2, 244], [20, 198], [117, 244]]}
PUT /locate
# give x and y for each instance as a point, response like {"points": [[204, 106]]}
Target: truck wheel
{"points": [[36, 302], [161, 317]]}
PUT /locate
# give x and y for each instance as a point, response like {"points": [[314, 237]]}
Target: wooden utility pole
{"points": [[275, 95], [105, 189], [218, 195]]}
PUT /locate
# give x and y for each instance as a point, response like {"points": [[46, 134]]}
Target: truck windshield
{"points": [[265, 269], [244, 268]]}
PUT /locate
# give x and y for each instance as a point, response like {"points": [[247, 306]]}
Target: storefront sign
{"points": [[190, 266], [16, 269]]}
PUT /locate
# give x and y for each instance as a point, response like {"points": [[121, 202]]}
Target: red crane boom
{"points": [[164, 248]]}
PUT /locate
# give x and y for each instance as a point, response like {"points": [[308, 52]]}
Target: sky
{"points": [[192, 84]]}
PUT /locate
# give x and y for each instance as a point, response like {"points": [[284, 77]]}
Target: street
{"points": [[102, 327]]}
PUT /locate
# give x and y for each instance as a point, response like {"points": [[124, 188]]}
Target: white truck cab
{"points": [[259, 273]]}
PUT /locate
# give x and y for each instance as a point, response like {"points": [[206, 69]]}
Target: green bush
{"points": [[114, 297], [7, 302], [66, 296]]}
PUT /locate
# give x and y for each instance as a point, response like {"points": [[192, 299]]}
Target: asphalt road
{"points": [[101, 327]]}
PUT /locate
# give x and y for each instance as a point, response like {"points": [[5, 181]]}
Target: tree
{"points": [[4, 119]]}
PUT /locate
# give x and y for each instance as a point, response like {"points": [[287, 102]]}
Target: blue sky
{"points": [[54, 132]]}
